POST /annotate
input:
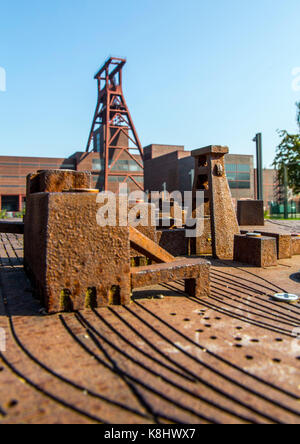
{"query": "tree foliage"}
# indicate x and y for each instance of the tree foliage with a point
(288, 153)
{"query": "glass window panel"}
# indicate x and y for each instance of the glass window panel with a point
(244, 185)
(98, 164)
(133, 166)
(139, 179)
(243, 176)
(231, 176)
(243, 168)
(230, 167)
(116, 178)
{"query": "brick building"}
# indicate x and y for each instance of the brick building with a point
(170, 167)
(13, 172)
(167, 167)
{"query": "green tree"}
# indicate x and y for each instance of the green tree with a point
(288, 153)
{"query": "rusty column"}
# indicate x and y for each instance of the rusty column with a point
(220, 218)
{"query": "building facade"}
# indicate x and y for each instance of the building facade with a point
(170, 167)
(166, 168)
(14, 170)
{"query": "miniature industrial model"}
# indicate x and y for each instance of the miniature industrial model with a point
(75, 263)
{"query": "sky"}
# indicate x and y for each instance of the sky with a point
(198, 72)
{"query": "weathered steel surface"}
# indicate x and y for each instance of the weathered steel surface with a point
(174, 241)
(250, 212)
(210, 177)
(195, 273)
(261, 252)
(146, 246)
(11, 227)
(144, 210)
(230, 358)
(67, 251)
(283, 242)
(295, 245)
(56, 181)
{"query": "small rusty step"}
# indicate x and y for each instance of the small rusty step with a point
(195, 273)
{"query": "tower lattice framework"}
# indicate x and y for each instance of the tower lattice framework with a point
(113, 125)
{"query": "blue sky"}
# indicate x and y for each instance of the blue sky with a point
(198, 72)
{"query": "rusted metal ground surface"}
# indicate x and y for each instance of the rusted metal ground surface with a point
(277, 226)
(230, 358)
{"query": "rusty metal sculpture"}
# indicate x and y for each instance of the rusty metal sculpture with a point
(74, 263)
(220, 223)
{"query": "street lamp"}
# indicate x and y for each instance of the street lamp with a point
(259, 166)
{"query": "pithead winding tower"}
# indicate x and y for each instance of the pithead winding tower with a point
(120, 149)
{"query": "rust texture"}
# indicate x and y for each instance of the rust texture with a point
(230, 358)
(148, 230)
(70, 257)
(174, 241)
(147, 247)
(295, 246)
(74, 263)
(195, 273)
(261, 252)
(250, 212)
(210, 177)
(56, 181)
(283, 242)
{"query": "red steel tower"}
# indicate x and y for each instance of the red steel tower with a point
(113, 133)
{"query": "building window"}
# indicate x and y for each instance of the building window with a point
(126, 165)
(243, 168)
(10, 203)
(238, 176)
(230, 167)
(116, 178)
(98, 164)
(139, 179)
(11, 177)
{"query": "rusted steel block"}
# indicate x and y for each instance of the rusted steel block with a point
(55, 181)
(12, 227)
(283, 243)
(149, 230)
(195, 273)
(73, 262)
(250, 212)
(295, 245)
(261, 252)
(173, 241)
(202, 244)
